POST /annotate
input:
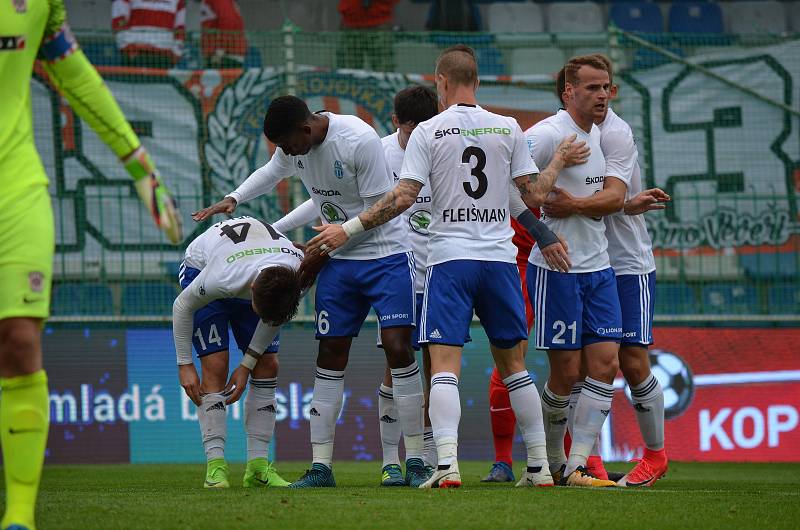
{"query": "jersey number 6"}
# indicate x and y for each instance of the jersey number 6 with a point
(477, 171)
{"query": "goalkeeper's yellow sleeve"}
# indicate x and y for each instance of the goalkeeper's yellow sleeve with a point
(76, 78)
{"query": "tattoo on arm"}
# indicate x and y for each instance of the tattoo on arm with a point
(392, 204)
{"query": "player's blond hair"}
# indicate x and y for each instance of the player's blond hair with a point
(561, 75)
(459, 65)
(575, 64)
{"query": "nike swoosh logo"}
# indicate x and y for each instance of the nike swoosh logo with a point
(22, 431)
(31, 300)
(492, 409)
(642, 483)
(265, 482)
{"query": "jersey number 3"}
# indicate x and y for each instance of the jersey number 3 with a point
(477, 171)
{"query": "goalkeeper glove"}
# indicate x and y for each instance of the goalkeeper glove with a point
(154, 194)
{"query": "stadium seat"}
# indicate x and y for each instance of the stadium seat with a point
(755, 17)
(82, 299)
(513, 17)
(794, 15)
(253, 58)
(530, 61)
(410, 15)
(695, 17)
(675, 299)
(637, 16)
(575, 17)
(783, 298)
(728, 298)
(415, 57)
(645, 58)
(148, 298)
(764, 265)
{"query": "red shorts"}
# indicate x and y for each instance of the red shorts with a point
(522, 264)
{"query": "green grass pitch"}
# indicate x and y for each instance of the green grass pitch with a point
(171, 496)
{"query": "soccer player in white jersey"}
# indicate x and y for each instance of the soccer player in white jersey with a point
(341, 162)
(240, 273)
(578, 314)
(412, 105)
(469, 157)
(631, 253)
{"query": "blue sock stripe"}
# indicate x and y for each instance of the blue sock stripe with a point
(405, 375)
(599, 390)
(520, 385)
(648, 388)
(556, 404)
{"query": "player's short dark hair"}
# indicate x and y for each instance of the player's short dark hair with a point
(276, 294)
(284, 115)
(561, 84)
(575, 64)
(459, 64)
(415, 104)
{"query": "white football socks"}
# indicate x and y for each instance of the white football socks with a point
(325, 407)
(554, 409)
(409, 402)
(212, 417)
(259, 416)
(389, 425)
(528, 410)
(429, 454)
(445, 413)
(591, 412)
(574, 394)
(648, 401)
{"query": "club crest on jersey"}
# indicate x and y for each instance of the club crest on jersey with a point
(338, 170)
(20, 6)
(420, 221)
(36, 281)
(333, 213)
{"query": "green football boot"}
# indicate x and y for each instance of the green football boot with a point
(217, 474)
(261, 474)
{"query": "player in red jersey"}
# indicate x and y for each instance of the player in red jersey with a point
(502, 416)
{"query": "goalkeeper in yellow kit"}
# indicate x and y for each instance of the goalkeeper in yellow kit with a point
(31, 29)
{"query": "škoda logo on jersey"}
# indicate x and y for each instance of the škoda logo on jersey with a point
(332, 213)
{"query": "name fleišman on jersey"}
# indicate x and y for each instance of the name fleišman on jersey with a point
(418, 217)
(630, 248)
(230, 255)
(468, 156)
(585, 236)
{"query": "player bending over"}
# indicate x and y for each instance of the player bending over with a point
(631, 254)
(341, 162)
(469, 157)
(412, 106)
(31, 29)
(240, 273)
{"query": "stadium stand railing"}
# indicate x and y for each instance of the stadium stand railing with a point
(715, 115)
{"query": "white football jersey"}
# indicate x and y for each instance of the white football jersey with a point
(230, 255)
(585, 236)
(339, 174)
(418, 217)
(468, 156)
(629, 246)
